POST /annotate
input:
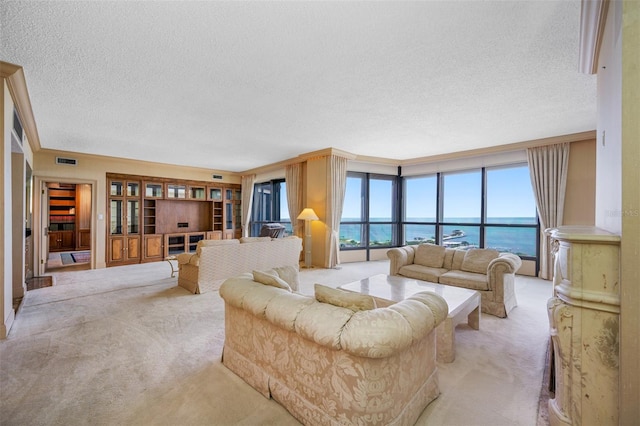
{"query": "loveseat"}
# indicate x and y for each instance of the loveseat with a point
(328, 364)
(216, 260)
(489, 272)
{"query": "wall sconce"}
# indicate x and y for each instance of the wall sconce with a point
(307, 215)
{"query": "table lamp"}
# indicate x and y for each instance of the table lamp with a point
(307, 215)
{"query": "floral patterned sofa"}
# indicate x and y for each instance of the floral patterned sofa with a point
(329, 359)
(489, 272)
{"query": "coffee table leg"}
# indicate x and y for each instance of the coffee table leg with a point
(474, 319)
(446, 341)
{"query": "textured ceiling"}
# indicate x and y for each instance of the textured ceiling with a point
(237, 85)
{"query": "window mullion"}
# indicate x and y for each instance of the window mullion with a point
(483, 204)
(439, 207)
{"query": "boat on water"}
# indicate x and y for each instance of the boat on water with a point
(456, 233)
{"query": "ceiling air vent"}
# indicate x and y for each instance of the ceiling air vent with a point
(66, 161)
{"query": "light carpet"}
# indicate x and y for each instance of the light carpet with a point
(126, 346)
(67, 258)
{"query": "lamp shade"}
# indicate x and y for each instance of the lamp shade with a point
(308, 214)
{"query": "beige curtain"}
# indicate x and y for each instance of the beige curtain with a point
(548, 169)
(294, 180)
(247, 201)
(336, 186)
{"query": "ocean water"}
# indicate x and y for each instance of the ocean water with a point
(521, 241)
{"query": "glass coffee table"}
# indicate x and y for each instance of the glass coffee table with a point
(464, 304)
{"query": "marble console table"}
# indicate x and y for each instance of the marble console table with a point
(584, 315)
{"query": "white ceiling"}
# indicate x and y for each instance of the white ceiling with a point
(237, 85)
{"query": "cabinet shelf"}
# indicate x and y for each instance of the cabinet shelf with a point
(149, 215)
(55, 202)
(182, 243)
(62, 217)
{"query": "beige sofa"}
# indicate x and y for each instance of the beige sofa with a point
(216, 260)
(328, 364)
(485, 270)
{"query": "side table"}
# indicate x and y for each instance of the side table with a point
(174, 269)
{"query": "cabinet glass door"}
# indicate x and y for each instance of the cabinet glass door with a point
(215, 194)
(116, 189)
(229, 216)
(133, 216)
(133, 189)
(176, 191)
(197, 192)
(115, 217)
(153, 190)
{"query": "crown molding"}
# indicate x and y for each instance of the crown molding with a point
(377, 160)
(573, 137)
(593, 16)
(130, 162)
(322, 153)
(17, 85)
(327, 152)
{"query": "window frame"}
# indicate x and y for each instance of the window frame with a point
(482, 225)
(365, 222)
(275, 187)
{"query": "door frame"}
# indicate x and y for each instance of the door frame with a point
(40, 235)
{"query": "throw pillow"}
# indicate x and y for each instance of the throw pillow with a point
(290, 275)
(477, 260)
(344, 298)
(429, 255)
(272, 280)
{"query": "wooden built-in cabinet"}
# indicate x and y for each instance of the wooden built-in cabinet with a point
(214, 194)
(62, 217)
(69, 216)
(153, 247)
(61, 240)
(232, 213)
(183, 243)
(124, 233)
(170, 216)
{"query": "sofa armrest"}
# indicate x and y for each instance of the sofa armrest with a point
(382, 332)
(400, 256)
(506, 263)
(184, 258)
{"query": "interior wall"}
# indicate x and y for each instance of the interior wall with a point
(6, 269)
(609, 128)
(317, 199)
(83, 206)
(630, 217)
(18, 224)
(580, 199)
(93, 169)
(618, 181)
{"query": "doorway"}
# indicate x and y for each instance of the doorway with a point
(66, 241)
